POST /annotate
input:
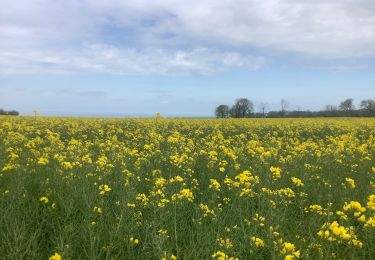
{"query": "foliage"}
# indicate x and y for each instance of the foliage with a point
(222, 111)
(367, 109)
(10, 113)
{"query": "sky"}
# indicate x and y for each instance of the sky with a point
(89, 57)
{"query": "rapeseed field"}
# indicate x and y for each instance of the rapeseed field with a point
(74, 188)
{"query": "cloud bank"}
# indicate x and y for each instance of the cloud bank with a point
(182, 37)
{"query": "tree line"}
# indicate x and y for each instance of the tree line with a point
(244, 108)
(10, 113)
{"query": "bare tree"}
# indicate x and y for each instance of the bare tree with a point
(284, 105)
(368, 106)
(330, 108)
(347, 105)
(222, 111)
(242, 108)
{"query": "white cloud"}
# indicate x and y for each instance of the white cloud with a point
(165, 36)
(99, 58)
(337, 28)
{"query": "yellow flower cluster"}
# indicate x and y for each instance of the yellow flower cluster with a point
(55, 256)
(257, 241)
(159, 184)
(186, 194)
(276, 172)
(350, 182)
(371, 202)
(297, 182)
(356, 209)
(104, 189)
(214, 184)
(334, 232)
(219, 255)
(317, 209)
(288, 250)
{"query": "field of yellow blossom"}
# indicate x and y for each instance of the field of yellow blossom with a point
(73, 188)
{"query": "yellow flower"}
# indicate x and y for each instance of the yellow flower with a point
(142, 198)
(276, 172)
(350, 182)
(43, 161)
(102, 161)
(43, 199)
(371, 202)
(370, 222)
(104, 188)
(207, 211)
(356, 208)
(135, 241)
(56, 256)
(288, 247)
(214, 184)
(316, 208)
(184, 194)
(289, 250)
(219, 255)
(339, 233)
(257, 241)
(98, 210)
(67, 165)
(160, 182)
(297, 182)
(362, 218)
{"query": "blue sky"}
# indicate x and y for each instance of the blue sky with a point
(183, 57)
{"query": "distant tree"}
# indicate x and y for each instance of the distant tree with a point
(274, 114)
(13, 113)
(10, 113)
(284, 105)
(242, 108)
(347, 105)
(232, 112)
(368, 107)
(330, 108)
(330, 111)
(222, 111)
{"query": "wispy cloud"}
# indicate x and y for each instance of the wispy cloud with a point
(99, 58)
